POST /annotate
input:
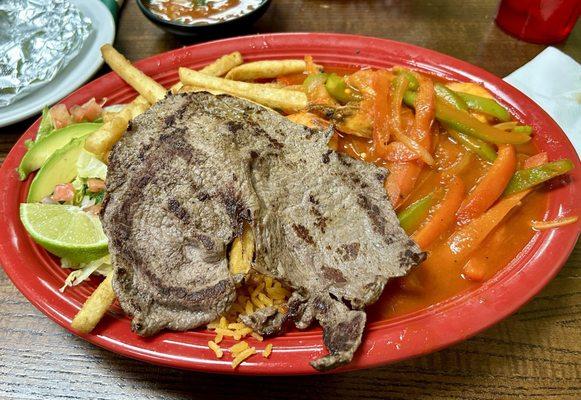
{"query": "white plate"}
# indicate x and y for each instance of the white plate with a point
(79, 70)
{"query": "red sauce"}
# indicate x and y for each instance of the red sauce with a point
(434, 281)
(201, 11)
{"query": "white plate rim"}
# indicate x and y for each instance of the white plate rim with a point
(83, 69)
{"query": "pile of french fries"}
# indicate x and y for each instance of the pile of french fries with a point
(228, 74)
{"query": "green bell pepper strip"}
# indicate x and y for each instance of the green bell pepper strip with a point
(411, 217)
(485, 106)
(450, 96)
(337, 88)
(413, 82)
(523, 129)
(527, 178)
(480, 147)
(468, 125)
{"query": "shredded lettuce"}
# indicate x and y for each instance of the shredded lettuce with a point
(82, 272)
(89, 166)
(46, 125)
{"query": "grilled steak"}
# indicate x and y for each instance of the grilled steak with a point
(188, 174)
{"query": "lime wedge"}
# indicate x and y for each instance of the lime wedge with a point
(65, 231)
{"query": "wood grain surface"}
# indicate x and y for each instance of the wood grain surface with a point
(536, 353)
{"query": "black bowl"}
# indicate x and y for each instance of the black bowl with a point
(218, 28)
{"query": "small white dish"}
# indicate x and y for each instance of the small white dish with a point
(79, 70)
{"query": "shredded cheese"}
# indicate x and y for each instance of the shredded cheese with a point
(542, 225)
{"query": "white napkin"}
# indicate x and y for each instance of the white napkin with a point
(553, 80)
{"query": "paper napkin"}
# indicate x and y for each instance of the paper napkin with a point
(553, 80)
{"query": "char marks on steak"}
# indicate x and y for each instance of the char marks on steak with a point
(188, 174)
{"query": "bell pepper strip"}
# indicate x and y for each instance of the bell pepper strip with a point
(400, 85)
(448, 95)
(425, 106)
(381, 128)
(480, 147)
(317, 94)
(490, 187)
(399, 152)
(523, 129)
(529, 177)
(485, 106)
(513, 126)
(468, 125)
(443, 217)
(414, 84)
(475, 268)
(413, 215)
(403, 177)
(401, 181)
(314, 80)
(459, 165)
(337, 88)
(463, 242)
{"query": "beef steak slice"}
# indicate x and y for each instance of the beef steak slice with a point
(194, 167)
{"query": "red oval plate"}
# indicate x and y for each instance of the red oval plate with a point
(38, 276)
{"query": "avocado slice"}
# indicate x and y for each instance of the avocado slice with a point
(60, 167)
(47, 145)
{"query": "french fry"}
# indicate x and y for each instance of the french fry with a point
(242, 252)
(95, 307)
(288, 100)
(223, 64)
(266, 69)
(143, 84)
(176, 87)
(103, 139)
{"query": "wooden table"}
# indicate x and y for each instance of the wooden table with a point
(535, 353)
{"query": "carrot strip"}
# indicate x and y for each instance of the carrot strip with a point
(381, 131)
(490, 188)
(444, 215)
(465, 240)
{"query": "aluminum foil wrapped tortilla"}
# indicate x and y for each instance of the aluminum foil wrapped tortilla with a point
(38, 39)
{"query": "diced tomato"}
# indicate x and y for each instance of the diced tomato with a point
(95, 185)
(92, 110)
(78, 113)
(60, 116)
(64, 192)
